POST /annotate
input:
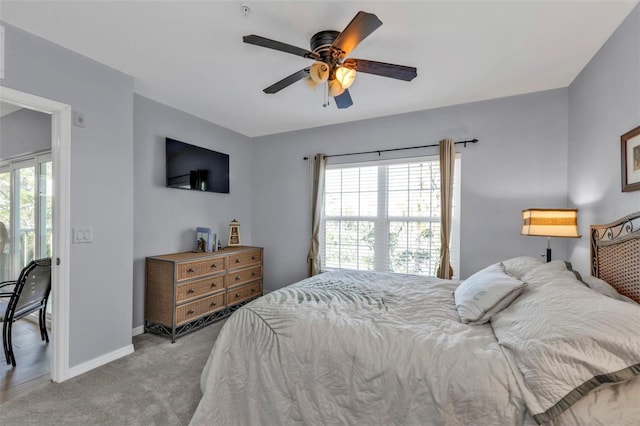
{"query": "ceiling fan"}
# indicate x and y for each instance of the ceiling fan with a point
(329, 50)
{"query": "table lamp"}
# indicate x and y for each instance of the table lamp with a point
(550, 223)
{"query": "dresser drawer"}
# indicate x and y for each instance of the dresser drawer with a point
(198, 268)
(244, 276)
(195, 289)
(198, 308)
(244, 292)
(245, 258)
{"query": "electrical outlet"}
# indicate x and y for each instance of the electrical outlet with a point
(78, 119)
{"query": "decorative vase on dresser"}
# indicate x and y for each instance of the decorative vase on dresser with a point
(187, 291)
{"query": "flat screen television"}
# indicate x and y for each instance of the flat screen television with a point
(196, 168)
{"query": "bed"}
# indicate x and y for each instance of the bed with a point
(554, 347)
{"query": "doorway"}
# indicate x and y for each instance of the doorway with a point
(60, 220)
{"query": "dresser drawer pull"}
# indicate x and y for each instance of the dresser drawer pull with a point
(237, 295)
(191, 291)
(190, 312)
(253, 274)
(237, 260)
(253, 290)
(191, 270)
(253, 258)
(213, 303)
(214, 265)
(237, 277)
(214, 285)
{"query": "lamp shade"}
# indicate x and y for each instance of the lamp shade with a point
(319, 72)
(335, 88)
(550, 223)
(345, 76)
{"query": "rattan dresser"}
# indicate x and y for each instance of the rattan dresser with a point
(186, 291)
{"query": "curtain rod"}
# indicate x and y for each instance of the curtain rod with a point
(379, 151)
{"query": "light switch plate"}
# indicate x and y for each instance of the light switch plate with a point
(82, 235)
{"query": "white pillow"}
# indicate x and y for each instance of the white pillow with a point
(604, 287)
(485, 293)
(518, 266)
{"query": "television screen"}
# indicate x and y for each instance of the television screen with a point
(196, 168)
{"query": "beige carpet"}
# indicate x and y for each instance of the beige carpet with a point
(159, 384)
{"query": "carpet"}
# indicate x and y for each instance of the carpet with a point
(158, 384)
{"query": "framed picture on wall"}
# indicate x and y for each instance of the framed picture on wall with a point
(630, 147)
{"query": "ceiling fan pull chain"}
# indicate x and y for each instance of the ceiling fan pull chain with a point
(326, 94)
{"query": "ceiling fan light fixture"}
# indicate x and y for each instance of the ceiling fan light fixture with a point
(311, 83)
(335, 88)
(346, 76)
(319, 72)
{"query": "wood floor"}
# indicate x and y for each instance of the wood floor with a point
(33, 361)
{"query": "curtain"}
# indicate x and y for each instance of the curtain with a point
(447, 164)
(317, 204)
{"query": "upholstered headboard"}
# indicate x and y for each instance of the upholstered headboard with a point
(615, 254)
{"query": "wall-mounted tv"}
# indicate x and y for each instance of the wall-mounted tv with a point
(196, 168)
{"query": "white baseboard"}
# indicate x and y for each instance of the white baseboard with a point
(97, 362)
(137, 330)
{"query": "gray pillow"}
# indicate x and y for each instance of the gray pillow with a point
(605, 288)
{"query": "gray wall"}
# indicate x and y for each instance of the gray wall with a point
(604, 103)
(520, 162)
(24, 132)
(165, 218)
(101, 196)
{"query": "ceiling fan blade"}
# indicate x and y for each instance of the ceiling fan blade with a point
(278, 45)
(287, 81)
(344, 100)
(400, 72)
(358, 29)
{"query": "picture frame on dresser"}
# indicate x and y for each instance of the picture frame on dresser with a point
(630, 156)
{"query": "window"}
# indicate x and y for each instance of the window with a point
(25, 213)
(385, 216)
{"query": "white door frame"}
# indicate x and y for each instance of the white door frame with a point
(61, 152)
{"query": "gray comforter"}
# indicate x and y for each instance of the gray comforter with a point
(363, 348)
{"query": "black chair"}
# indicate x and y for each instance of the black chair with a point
(29, 294)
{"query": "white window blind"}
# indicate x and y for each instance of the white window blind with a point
(386, 217)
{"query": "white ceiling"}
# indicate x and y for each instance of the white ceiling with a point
(190, 54)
